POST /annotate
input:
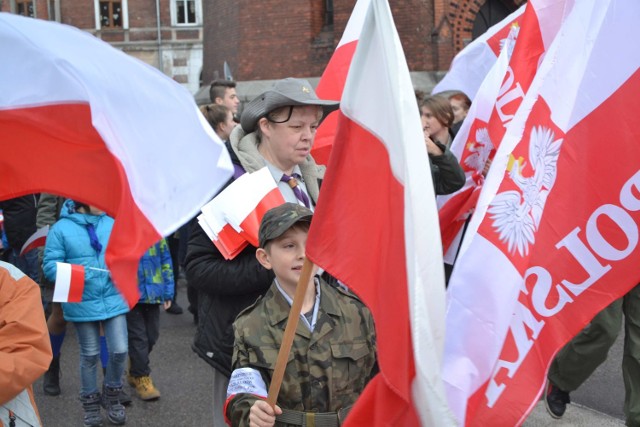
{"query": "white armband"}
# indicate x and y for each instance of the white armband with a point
(246, 380)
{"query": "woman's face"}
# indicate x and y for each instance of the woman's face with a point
(288, 144)
(459, 110)
(225, 128)
(432, 126)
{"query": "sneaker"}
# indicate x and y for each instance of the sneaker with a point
(111, 402)
(145, 388)
(91, 406)
(556, 400)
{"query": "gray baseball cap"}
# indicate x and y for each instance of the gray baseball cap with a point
(285, 92)
(278, 220)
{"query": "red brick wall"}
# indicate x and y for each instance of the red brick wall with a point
(81, 17)
(220, 37)
(271, 39)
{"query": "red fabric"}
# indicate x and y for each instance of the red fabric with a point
(36, 243)
(230, 243)
(583, 161)
(330, 86)
(357, 236)
(55, 149)
(251, 224)
(76, 287)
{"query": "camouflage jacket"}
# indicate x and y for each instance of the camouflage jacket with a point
(327, 368)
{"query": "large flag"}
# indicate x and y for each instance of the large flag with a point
(84, 120)
(471, 65)
(375, 229)
(495, 107)
(555, 236)
(332, 81)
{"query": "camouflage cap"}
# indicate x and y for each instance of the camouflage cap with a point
(279, 219)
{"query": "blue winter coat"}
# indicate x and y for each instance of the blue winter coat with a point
(155, 275)
(68, 241)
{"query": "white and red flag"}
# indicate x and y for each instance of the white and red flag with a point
(36, 240)
(375, 229)
(555, 236)
(472, 64)
(235, 214)
(69, 282)
(492, 110)
(332, 81)
(84, 120)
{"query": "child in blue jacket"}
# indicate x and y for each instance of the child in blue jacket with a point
(156, 283)
(80, 237)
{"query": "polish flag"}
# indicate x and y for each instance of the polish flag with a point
(493, 109)
(84, 120)
(557, 223)
(332, 81)
(228, 241)
(375, 230)
(253, 195)
(69, 282)
(234, 215)
(472, 64)
(36, 240)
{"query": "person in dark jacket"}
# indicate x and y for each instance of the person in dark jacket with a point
(437, 117)
(20, 224)
(278, 129)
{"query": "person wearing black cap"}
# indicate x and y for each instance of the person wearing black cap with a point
(333, 356)
(277, 130)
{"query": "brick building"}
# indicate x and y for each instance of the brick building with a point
(166, 34)
(271, 39)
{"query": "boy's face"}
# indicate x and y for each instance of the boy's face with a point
(285, 256)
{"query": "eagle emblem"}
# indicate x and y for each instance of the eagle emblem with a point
(516, 214)
(479, 150)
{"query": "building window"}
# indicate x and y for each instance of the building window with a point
(24, 8)
(111, 14)
(186, 12)
(328, 13)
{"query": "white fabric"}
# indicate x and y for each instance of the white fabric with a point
(471, 65)
(64, 276)
(354, 26)
(575, 77)
(143, 116)
(246, 380)
(379, 62)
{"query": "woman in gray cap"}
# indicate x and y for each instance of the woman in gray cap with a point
(277, 130)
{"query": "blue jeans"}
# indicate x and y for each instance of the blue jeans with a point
(115, 331)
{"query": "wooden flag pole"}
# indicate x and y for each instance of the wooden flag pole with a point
(289, 332)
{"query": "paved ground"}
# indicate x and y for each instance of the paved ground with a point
(185, 381)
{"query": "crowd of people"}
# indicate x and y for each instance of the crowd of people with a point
(240, 306)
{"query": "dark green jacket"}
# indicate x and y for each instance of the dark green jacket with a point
(327, 368)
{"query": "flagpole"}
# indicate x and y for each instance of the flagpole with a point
(289, 332)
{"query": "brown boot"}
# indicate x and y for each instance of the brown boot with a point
(145, 388)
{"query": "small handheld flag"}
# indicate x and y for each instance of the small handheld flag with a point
(69, 283)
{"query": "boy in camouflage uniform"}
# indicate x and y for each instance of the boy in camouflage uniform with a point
(334, 351)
